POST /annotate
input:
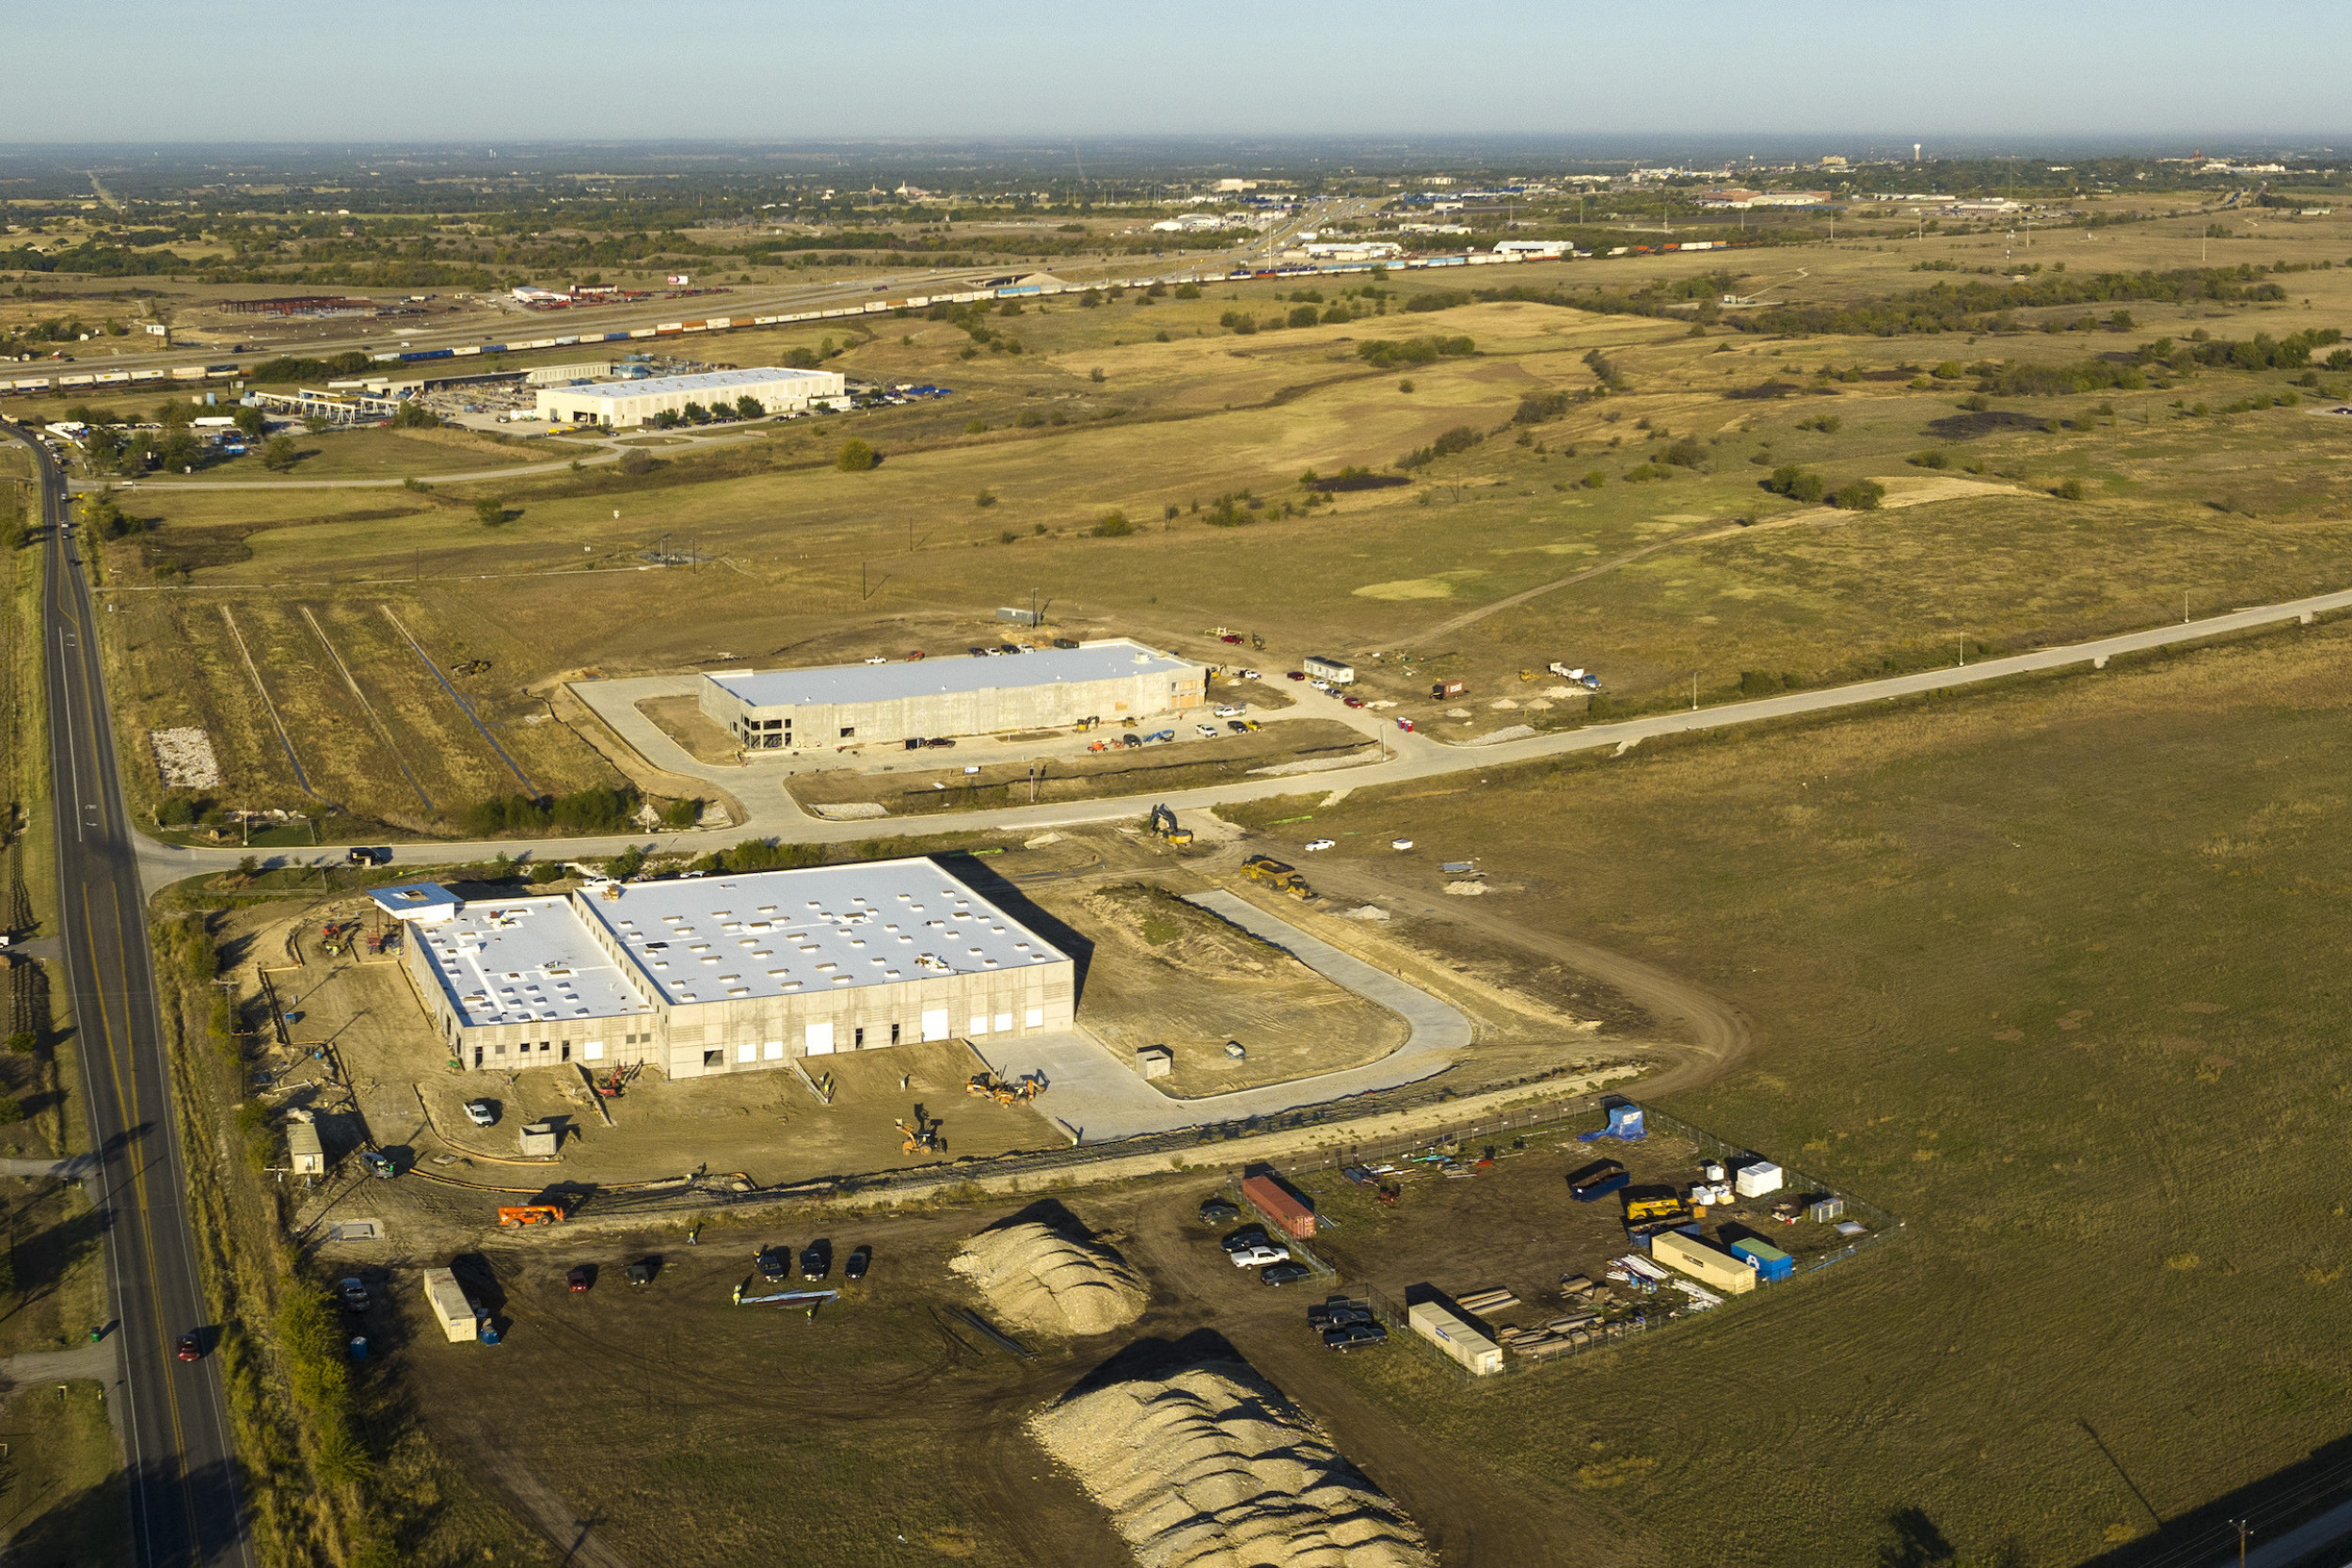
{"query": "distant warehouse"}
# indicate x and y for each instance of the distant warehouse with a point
(1115, 680)
(705, 976)
(632, 402)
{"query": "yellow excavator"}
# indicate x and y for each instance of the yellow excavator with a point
(921, 1136)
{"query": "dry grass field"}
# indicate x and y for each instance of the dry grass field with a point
(2207, 510)
(2033, 968)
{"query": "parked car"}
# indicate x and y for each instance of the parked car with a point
(577, 1279)
(354, 1293)
(1231, 637)
(1227, 710)
(1258, 1257)
(1352, 701)
(1206, 732)
(1254, 1236)
(816, 1260)
(1337, 1312)
(1248, 676)
(1350, 1335)
(482, 1112)
(1295, 675)
(1238, 726)
(1253, 723)
(1400, 844)
(774, 1264)
(947, 741)
(1131, 740)
(189, 1348)
(1218, 1211)
(855, 1265)
(1283, 1273)
(1314, 844)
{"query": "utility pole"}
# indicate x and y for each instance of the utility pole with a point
(2242, 1532)
(1695, 691)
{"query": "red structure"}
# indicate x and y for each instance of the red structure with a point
(1281, 1206)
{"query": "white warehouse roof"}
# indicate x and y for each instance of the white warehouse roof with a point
(931, 677)
(732, 382)
(776, 933)
(524, 961)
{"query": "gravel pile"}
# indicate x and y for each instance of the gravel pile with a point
(1050, 1282)
(1209, 1466)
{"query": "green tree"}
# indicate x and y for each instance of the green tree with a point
(278, 454)
(412, 415)
(749, 407)
(694, 413)
(173, 415)
(855, 457)
(1861, 495)
(1798, 485)
(1113, 525)
(252, 421)
(1304, 315)
(490, 510)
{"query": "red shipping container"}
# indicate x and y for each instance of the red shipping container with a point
(1270, 1198)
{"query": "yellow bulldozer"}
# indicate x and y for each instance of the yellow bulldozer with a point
(1004, 1092)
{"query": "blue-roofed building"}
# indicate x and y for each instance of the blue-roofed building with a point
(1117, 680)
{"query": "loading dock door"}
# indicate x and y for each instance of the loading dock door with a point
(935, 1024)
(816, 1040)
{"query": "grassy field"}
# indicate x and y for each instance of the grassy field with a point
(2030, 968)
(997, 492)
(61, 1498)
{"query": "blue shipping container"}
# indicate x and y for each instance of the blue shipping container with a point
(1767, 1260)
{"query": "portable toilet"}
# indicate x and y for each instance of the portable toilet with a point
(1769, 1264)
(1624, 1124)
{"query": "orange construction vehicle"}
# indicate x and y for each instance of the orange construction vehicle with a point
(531, 1213)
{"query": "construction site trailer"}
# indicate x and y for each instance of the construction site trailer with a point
(1338, 672)
(1465, 1342)
(1281, 1208)
(1710, 1266)
(302, 1147)
(450, 1308)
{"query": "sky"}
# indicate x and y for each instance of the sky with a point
(2071, 73)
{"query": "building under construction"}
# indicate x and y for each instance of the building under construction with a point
(703, 975)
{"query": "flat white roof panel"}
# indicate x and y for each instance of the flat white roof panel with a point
(528, 960)
(947, 675)
(825, 928)
(708, 381)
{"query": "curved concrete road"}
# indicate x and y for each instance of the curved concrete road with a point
(1098, 1098)
(1414, 757)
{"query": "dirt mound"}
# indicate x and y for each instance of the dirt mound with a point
(1051, 1282)
(1209, 1466)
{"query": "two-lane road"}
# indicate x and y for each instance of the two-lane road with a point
(186, 1494)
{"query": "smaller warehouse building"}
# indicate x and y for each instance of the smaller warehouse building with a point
(1116, 680)
(1461, 1340)
(1710, 1265)
(777, 389)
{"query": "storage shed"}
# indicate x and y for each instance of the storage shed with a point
(1710, 1265)
(1758, 1179)
(1281, 1208)
(1155, 1061)
(450, 1308)
(1769, 1264)
(1463, 1341)
(307, 1156)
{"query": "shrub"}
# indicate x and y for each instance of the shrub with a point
(490, 512)
(411, 415)
(278, 454)
(1304, 315)
(1798, 485)
(1594, 481)
(1187, 290)
(1387, 354)
(1861, 495)
(855, 457)
(1112, 525)
(636, 463)
(1929, 460)
(22, 1044)
(2072, 490)
(986, 497)
(1406, 384)
(682, 813)
(1685, 454)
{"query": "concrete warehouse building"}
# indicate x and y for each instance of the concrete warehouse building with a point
(1116, 680)
(703, 975)
(633, 403)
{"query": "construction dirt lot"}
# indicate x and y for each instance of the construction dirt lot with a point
(1165, 973)
(909, 1422)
